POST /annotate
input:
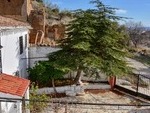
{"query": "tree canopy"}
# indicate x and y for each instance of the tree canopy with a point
(94, 41)
(41, 1)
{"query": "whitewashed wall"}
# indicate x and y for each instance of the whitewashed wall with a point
(9, 107)
(12, 61)
(73, 89)
(39, 53)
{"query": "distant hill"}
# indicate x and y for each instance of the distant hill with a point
(147, 28)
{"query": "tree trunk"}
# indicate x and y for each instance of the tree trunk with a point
(135, 45)
(53, 84)
(77, 79)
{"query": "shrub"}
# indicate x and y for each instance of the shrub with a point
(37, 103)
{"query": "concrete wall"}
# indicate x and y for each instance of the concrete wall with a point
(12, 60)
(39, 53)
(73, 89)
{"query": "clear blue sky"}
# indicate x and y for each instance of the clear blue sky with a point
(139, 10)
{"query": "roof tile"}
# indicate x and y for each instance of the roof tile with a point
(13, 85)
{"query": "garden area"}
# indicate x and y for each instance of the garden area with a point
(96, 48)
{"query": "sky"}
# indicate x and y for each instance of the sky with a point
(138, 10)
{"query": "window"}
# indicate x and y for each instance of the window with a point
(21, 44)
(26, 41)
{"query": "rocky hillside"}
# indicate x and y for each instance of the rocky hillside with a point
(48, 24)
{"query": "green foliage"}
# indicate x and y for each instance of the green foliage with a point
(41, 1)
(42, 73)
(95, 41)
(52, 9)
(35, 105)
(65, 13)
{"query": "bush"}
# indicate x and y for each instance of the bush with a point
(41, 1)
(43, 73)
(36, 104)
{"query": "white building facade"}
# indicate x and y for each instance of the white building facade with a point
(14, 51)
(14, 36)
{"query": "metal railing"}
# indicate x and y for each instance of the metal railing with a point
(137, 85)
(74, 107)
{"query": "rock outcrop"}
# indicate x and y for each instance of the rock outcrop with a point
(46, 27)
(37, 21)
(53, 26)
(15, 8)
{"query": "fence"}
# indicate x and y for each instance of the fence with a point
(82, 107)
(137, 85)
(74, 107)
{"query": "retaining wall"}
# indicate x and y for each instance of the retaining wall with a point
(73, 89)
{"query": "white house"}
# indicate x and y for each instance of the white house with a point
(13, 63)
(39, 53)
(14, 46)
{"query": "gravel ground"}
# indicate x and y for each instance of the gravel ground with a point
(97, 96)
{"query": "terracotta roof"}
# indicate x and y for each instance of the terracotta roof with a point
(13, 85)
(10, 22)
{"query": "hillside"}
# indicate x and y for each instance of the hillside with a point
(48, 24)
